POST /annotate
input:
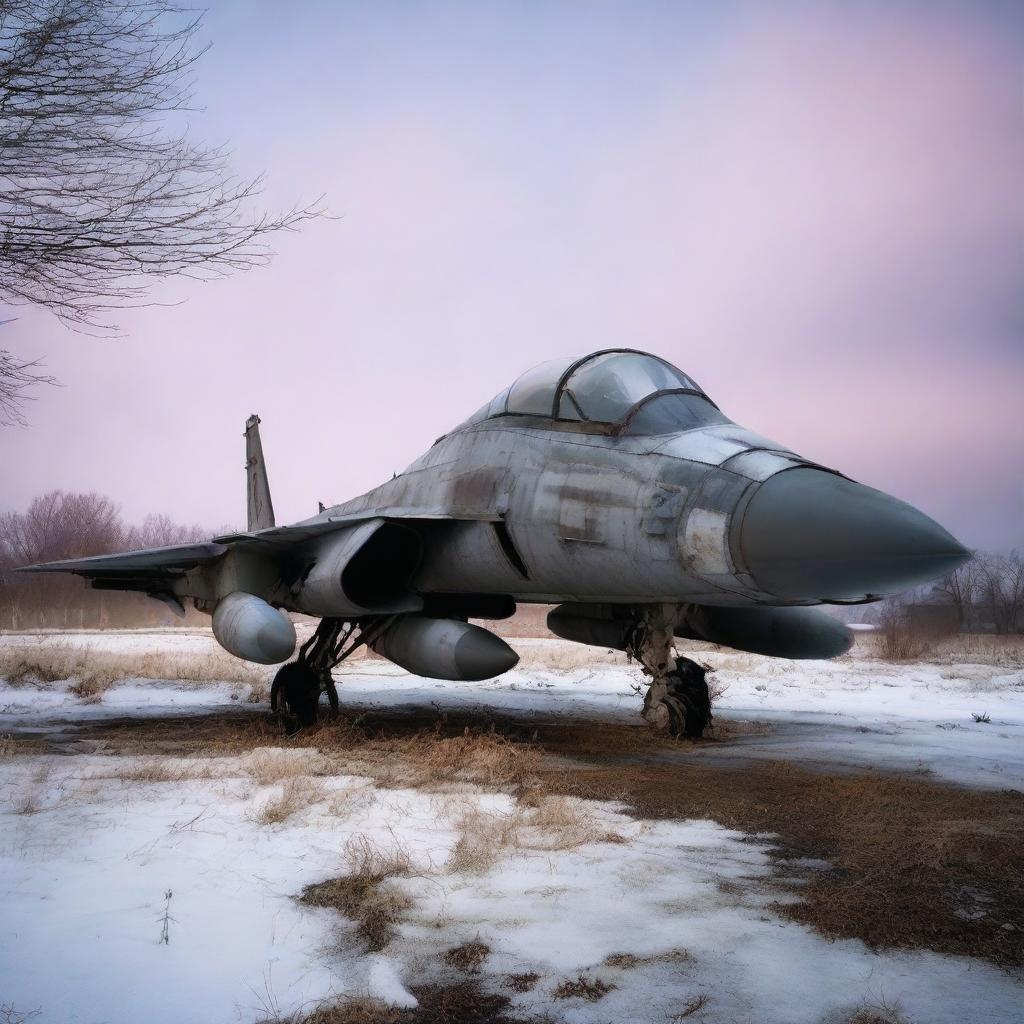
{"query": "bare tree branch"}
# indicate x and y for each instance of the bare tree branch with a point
(17, 379)
(97, 196)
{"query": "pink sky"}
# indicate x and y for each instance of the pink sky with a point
(814, 209)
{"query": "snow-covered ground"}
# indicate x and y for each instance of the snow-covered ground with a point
(856, 711)
(88, 852)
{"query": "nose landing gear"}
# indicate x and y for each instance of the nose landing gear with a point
(677, 700)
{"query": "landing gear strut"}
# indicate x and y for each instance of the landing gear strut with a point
(298, 686)
(677, 699)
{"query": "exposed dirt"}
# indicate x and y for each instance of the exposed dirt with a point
(913, 863)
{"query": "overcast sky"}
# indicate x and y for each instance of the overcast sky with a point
(816, 210)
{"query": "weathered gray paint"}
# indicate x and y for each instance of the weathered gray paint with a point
(595, 516)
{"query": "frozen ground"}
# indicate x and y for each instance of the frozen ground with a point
(856, 712)
(89, 845)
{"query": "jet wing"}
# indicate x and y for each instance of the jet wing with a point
(149, 563)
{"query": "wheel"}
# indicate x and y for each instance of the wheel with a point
(688, 688)
(680, 704)
(294, 696)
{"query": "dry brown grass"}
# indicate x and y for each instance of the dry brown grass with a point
(695, 1005)
(50, 662)
(90, 688)
(8, 746)
(582, 987)
(153, 769)
(560, 823)
(524, 982)
(468, 957)
(881, 1012)
(483, 837)
(364, 894)
(630, 961)
(462, 1003)
(484, 758)
(900, 640)
(908, 857)
(551, 823)
(268, 765)
(916, 864)
(565, 656)
(29, 800)
(296, 794)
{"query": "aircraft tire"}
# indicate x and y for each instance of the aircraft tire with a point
(294, 696)
(688, 690)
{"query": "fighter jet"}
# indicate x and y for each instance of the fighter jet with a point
(610, 486)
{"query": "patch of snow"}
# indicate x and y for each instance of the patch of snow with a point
(82, 886)
(853, 712)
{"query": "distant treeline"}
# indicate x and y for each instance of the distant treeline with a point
(984, 595)
(68, 525)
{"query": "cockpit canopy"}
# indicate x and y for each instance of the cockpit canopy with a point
(630, 391)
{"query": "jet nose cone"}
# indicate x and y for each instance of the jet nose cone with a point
(811, 535)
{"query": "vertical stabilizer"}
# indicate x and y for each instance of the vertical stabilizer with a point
(261, 508)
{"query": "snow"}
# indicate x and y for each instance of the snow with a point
(855, 712)
(82, 881)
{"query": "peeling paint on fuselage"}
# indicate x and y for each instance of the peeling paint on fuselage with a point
(594, 517)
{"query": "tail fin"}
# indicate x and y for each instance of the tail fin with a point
(261, 508)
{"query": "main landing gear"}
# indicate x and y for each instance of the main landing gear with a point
(298, 687)
(677, 699)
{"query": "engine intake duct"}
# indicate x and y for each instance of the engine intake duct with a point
(361, 569)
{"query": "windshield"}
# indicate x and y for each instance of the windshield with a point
(620, 387)
(672, 413)
(604, 387)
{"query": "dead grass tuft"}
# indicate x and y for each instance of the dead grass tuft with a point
(882, 1012)
(8, 746)
(485, 758)
(565, 656)
(468, 957)
(268, 765)
(29, 800)
(695, 1005)
(582, 987)
(364, 894)
(630, 961)
(554, 823)
(463, 1003)
(483, 838)
(522, 982)
(91, 687)
(297, 793)
(154, 769)
(52, 662)
(564, 824)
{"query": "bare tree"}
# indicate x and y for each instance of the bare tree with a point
(69, 525)
(1001, 585)
(961, 586)
(98, 196)
(158, 530)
